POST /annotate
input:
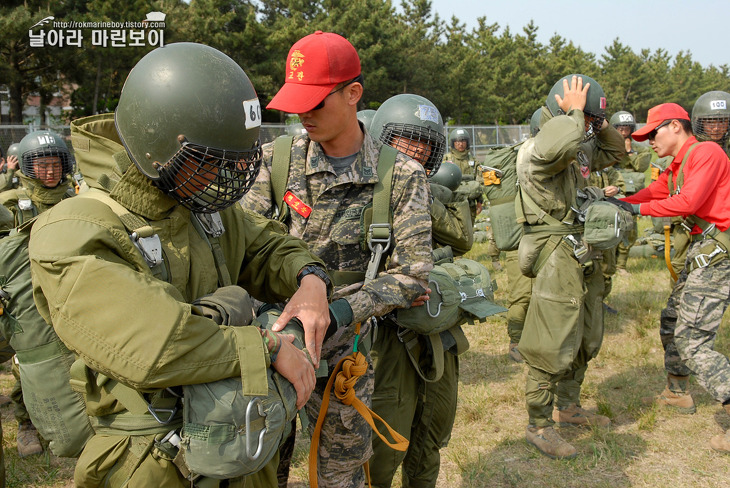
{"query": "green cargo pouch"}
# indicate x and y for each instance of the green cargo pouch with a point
(461, 291)
(606, 225)
(505, 229)
(634, 181)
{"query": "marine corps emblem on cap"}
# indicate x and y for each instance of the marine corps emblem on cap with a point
(296, 60)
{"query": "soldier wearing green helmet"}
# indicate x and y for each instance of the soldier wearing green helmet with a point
(423, 411)
(563, 327)
(711, 118)
(632, 167)
(366, 117)
(161, 229)
(460, 152)
(8, 166)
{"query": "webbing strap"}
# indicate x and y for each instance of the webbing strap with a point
(280, 163)
(131, 222)
(379, 236)
(680, 173)
(542, 215)
(25, 214)
(213, 241)
(344, 378)
(413, 347)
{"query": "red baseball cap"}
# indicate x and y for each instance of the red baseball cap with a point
(657, 115)
(315, 65)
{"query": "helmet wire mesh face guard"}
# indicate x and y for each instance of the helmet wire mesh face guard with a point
(206, 180)
(47, 163)
(595, 122)
(711, 117)
(420, 143)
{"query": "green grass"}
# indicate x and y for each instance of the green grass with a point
(645, 446)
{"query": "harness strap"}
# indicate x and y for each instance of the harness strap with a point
(379, 236)
(280, 163)
(668, 251)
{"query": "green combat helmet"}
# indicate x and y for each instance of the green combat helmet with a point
(595, 107)
(459, 135)
(413, 125)
(623, 118)
(711, 117)
(535, 122)
(14, 150)
(366, 117)
(43, 144)
(448, 175)
(189, 119)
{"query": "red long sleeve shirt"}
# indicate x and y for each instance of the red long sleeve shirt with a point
(705, 192)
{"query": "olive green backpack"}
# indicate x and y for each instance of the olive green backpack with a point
(501, 190)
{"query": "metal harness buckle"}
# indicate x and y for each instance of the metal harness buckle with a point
(255, 402)
(150, 247)
(377, 246)
(212, 223)
(704, 260)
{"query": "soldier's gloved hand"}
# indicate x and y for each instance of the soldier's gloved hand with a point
(340, 316)
(632, 208)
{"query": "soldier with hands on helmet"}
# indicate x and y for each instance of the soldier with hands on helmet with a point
(8, 166)
(423, 411)
(176, 157)
(696, 186)
(330, 182)
(563, 328)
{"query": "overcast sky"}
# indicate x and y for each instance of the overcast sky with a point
(700, 27)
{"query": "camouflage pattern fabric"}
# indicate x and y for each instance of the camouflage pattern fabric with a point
(667, 326)
(333, 231)
(703, 302)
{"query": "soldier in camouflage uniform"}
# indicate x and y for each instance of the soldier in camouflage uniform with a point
(702, 171)
(636, 160)
(178, 169)
(331, 179)
(564, 323)
(423, 411)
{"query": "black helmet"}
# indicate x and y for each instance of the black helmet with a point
(189, 118)
(412, 118)
(39, 145)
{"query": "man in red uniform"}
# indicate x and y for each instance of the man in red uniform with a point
(696, 186)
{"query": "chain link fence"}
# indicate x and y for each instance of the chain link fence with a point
(482, 136)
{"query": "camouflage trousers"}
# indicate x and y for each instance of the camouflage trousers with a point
(563, 332)
(673, 363)
(423, 412)
(705, 298)
(518, 296)
(345, 440)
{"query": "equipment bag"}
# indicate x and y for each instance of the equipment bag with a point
(606, 225)
(228, 433)
(501, 195)
(461, 290)
(56, 410)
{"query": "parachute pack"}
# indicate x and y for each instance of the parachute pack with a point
(500, 187)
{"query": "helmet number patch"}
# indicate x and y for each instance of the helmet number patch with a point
(252, 112)
(625, 118)
(718, 105)
(428, 113)
(44, 139)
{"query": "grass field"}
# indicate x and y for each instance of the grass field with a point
(644, 447)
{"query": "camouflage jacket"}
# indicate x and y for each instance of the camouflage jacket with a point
(333, 228)
(549, 164)
(637, 160)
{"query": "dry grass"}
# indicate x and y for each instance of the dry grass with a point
(644, 447)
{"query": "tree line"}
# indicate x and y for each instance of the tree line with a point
(486, 75)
